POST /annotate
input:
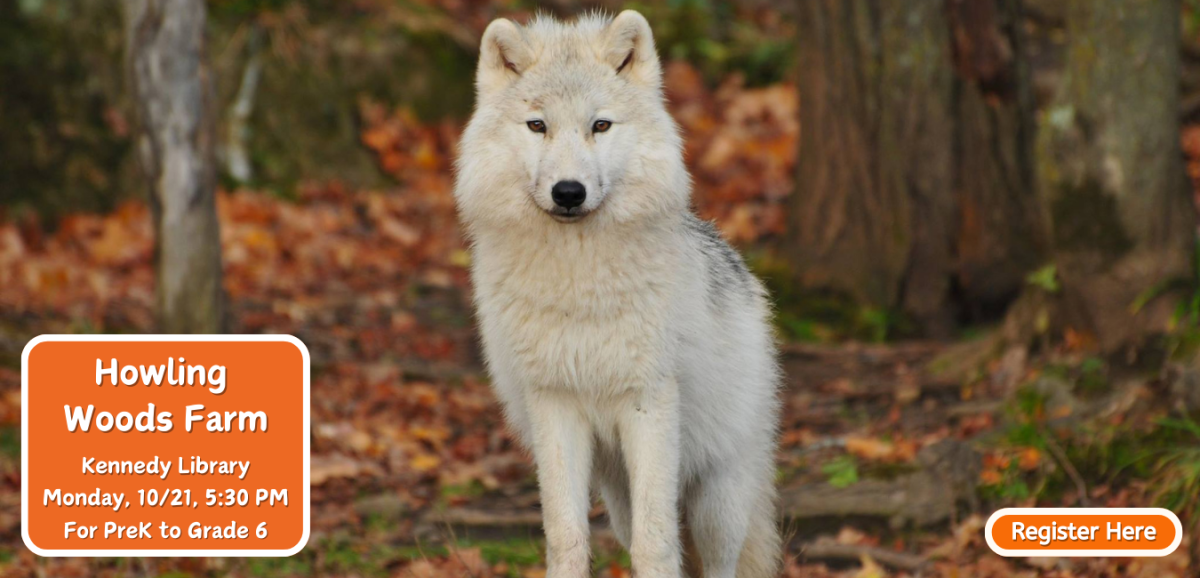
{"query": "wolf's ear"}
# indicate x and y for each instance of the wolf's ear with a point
(629, 48)
(503, 56)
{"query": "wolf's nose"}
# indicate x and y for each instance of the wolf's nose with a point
(568, 194)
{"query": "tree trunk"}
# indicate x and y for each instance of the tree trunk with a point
(1001, 232)
(914, 186)
(1111, 169)
(170, 78)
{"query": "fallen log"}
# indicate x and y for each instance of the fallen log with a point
(827, 549)
(929, 496)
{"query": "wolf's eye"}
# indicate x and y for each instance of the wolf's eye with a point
(536, 126)
(601, 126)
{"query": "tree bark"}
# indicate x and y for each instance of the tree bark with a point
(173, 88)
(1001, 230)
(1111, 168)
(914, 183)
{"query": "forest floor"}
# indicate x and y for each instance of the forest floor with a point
(891, 457)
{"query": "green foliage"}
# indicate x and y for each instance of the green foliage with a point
(1183, 340)
(842, 471)
(1164, 454)
(823, 318)
(1088, 377)
(1192, 11)
(223, 11)
(1045, 278)
(63, 146)
(298, 565)
(10, 442)
(218, 9)
(602, 560)
(1187, 310)
(514, 551)
(1093, 376)
(876, 322)
(1011, 487)
(1030, 405)
(474, 489)
(347, 557)
(708, 34)
(802, 330)
(1176, 471)
(1025, 434)
(1026, 411)
(379, 522)
(819, 317)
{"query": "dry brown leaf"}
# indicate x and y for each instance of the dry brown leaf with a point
(870, 569)
(323, 468)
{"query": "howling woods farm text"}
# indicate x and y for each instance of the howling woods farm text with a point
(174, 374)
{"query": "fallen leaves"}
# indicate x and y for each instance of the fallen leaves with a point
(876, 449)
(741, 148)
(459, 562)
(408, 150)
(323, 468)
(870, 569)
(1029, 459)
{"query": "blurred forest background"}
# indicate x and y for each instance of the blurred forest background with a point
(977, 219)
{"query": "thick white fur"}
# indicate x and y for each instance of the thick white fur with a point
(631, 349)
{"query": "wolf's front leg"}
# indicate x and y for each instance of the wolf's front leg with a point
(650, 437)
(562, 448)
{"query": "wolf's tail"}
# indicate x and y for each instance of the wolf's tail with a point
(762, 553)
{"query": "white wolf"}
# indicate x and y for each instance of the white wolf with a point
(628, 343)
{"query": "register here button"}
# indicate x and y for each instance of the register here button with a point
(1083, 532)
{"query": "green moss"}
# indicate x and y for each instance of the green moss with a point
(603, 560)
(1093, 376)
(806, 315)
(10, 442)
(473, 489)
(298, 565)
(516, 552)
(347, 557)
(1163, 455)
(1045, 278)
(61, 65)
(841, 471)
(709, 35)
(379, 522)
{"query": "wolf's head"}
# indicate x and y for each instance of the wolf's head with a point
(570, 125)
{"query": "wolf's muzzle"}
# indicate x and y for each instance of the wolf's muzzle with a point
(568, 194)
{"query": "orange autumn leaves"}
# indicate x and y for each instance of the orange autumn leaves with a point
(880, 450)
(997, 464)
(419, 155)
(741, 149)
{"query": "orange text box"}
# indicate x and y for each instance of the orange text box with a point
(1083, 532)
(200, 448)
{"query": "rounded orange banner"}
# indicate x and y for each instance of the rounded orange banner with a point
(165, 445)
(1092, 532)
